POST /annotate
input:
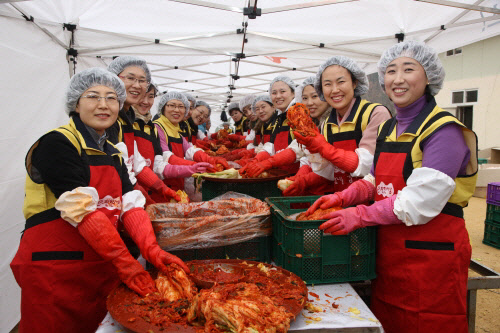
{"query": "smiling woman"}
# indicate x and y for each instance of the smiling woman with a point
(77, 191)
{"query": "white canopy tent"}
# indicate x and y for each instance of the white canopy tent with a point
(213, 49)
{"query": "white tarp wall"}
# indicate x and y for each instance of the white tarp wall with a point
(34, 74)
(189, 45)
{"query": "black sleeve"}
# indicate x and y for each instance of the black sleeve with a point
(156, 142)
(113, 133)
(59, 164)
(246, 125)
(126, 184)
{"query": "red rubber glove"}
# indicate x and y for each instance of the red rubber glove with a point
(145, 193)
(175, 160)
(284, 157)
(201, 156)
(361, 191)
(138, 225)
(97, 230)
(148, 179)
(302, 183)
(347, 220)
(263, 155)
(344, 159)
(235, 137)
(304, 170)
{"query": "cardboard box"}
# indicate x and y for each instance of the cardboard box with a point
(487, 173)
(492, 154)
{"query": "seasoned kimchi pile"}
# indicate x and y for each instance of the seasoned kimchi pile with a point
(300, 120)
(317, 215)
(209, 223)
(267, 300)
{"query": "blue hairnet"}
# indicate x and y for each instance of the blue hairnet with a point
(170, 96)
(119, 64)
(198, 103)
(265, 98)
(284, 79)
(351, 66)
(190, 98)
(307, 82)
(233, 106)
(245, 101)
(92, 77)
(422, 53)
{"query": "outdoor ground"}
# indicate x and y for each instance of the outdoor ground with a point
(488, 301)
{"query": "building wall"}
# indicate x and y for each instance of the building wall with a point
(477, 67)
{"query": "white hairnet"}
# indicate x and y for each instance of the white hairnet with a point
(154, 87)
(265, 98)
(92, 77)
(170, 96)
(120, 63)
(351, 66)
(422, 53)
(190, 98)
(233, 106)
(198, 103)
(284, 79)
(307, 82)
(245, 101)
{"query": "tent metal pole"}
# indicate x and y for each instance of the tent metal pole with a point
(45, 31)
(455, 19)
(463, 5)
(116, 47)
(302, 6)
(210, 5)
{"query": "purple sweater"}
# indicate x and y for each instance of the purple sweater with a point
(445, 150)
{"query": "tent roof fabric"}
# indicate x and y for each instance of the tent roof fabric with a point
(197, 46)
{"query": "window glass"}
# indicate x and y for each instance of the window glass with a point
(457, 97)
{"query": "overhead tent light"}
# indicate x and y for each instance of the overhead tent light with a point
(252, 12)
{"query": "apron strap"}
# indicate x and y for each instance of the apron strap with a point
(42, 217)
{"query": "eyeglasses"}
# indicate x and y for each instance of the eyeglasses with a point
(178, 107)
(132, 80)
(93, 98)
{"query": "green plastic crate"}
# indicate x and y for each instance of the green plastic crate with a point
(493, 213)
(482, 160)
(492, 233)
(259, 190)
(258, 249)
(300, 247)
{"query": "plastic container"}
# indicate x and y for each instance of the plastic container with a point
(493, 213)
(300, 247)
(259, 188)
(492, 233)
(493, 195)
(258, 249)
(482, 160)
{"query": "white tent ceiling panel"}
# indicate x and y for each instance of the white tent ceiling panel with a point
(200, 38)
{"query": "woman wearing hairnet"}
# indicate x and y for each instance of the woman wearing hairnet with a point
(347, 139)
(71, 255)
(316, 174)
(172, 108)
(135, 74)
(187, 124)
(275, 153)
(424, 173)
(149, 147)
(267, 114)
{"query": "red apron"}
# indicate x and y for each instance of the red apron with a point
(64, 282)
(175, 145)
(421, 282)
(281, 138)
